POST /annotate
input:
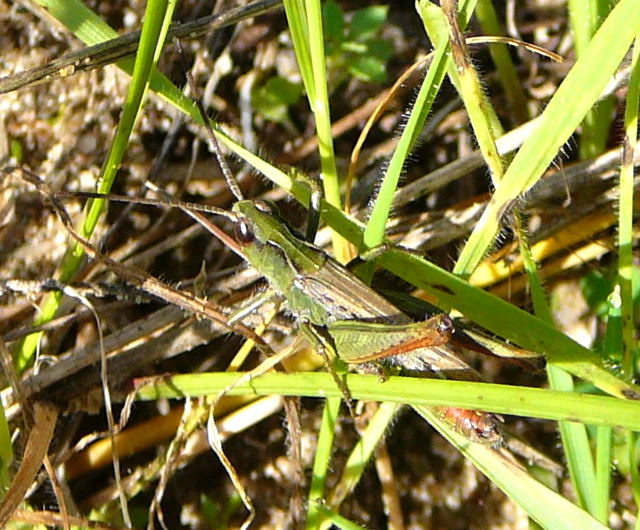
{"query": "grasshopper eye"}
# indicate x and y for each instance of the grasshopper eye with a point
(243, 232)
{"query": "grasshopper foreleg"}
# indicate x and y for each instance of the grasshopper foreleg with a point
(257, 301)
(315, 199)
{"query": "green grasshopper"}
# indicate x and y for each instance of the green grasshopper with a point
(339, 312)
(336, 310)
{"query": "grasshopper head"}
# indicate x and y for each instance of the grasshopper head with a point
(257, 221)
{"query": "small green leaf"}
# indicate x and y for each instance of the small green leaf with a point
(368, 68)
(274, 98)
(367, 21)
(333, 21)
(354, 47)
(380, 49)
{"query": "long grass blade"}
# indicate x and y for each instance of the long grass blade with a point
(74, 14)
(575, 96)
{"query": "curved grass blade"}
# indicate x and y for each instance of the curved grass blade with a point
(374, 233)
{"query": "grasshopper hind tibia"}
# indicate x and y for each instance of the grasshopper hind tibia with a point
(478, 426)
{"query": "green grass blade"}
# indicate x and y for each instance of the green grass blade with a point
(362, 452)
(507, 74)
(79, 20)
(154, 29)
(625, 214)
(374, 233)
(502, 399)
(305, 26)
(598, 502)
(484, 120)
(602, 494)
(320, 104)
(585, 16)
(6, 449)
(633, 443)
(322, 461)
(625, 250)
(575, 96)
(297, 21)
(155, 26)
(574, 436)
(575, 443)
(91, 30)
(420, 393)
(512, 479)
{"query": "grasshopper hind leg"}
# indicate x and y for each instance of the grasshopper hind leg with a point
(323, 344)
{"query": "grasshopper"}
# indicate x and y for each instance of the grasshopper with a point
(337, 311)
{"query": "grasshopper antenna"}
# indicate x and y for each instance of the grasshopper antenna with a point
(213, 141)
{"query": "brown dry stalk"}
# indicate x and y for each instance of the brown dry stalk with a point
(45, 416)
(120, 48)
